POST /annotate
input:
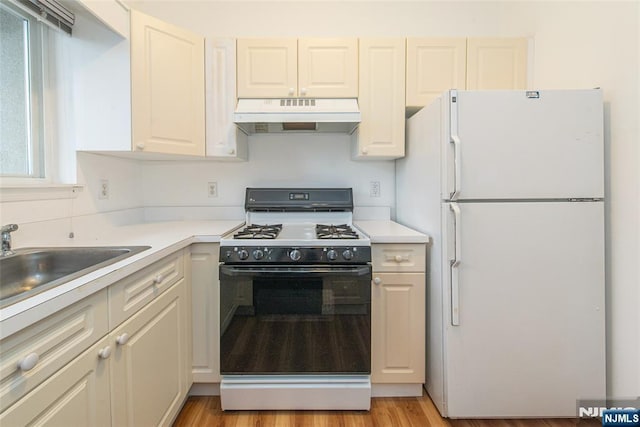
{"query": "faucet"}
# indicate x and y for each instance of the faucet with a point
(6, 238)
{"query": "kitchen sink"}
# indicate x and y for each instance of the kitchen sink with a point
(32, 270)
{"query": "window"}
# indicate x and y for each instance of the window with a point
(22, 89)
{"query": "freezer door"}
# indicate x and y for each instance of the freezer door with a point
(525, 336)
(524, 145)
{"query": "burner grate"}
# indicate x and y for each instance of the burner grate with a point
(255, 231)
(342, 231)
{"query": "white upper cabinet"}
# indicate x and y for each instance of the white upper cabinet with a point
(225, 141)
(280, 68)
(434, 65)
(167, 87)
(267, 68)
(497, 63)
(328, 68)
(380, 134)
(144, 94)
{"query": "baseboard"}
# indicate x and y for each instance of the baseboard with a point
(396, 390)
(205, 389)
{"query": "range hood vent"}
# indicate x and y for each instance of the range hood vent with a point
(297, 115)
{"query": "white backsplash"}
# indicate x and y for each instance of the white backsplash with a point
(294, 160)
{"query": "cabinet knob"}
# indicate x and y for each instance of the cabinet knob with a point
(377, 280)
(28, 362)
(158, 279)
(291, 91)
(303, 91)
(105, 352)
(122, 339)
(398, 258)
(140, 145)
(231, 151)
(365, 150)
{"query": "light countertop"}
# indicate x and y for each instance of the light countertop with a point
(164, 239)
(390, 232)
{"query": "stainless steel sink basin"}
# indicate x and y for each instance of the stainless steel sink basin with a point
(32, 270)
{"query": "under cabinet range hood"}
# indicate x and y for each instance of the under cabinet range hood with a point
(297, 115)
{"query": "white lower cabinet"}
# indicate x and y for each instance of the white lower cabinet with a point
(70, 369)
(76, 395)
(398, 315)
(205, 312)
(147, 371)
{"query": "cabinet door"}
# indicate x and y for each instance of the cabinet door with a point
(398, 328)
(380, 135)
(328, 68)
(205, 312)
(225, 141)
(496, 63)
(77, 395)
(167, 87)
(267, 68)
(433, 66)
(148, 366)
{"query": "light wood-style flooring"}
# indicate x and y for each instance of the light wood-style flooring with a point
(385, 412)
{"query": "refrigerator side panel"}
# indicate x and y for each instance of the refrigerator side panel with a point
(531, 333)
(530, 145)
(418, 207)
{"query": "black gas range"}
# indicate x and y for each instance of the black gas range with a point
(295, 303)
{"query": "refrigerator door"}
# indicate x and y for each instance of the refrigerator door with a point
(524, 308)
(523, 145)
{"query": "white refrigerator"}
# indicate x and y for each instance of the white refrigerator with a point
(510, 186)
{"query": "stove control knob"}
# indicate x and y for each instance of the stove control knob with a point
(347, 254)
(243, 254)
(258, 254)
(332, 255)
(295, 255)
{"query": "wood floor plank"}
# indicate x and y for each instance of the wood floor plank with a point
(385, 412)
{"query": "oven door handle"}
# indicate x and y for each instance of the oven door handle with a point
(251, 271)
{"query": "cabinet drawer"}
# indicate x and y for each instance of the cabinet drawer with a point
(52, 342)
(131, 294)
(398, 257)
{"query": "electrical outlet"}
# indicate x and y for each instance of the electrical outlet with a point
(212, 189)
(103, 193)
(374, 189)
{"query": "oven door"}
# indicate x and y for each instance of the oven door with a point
(295, 319)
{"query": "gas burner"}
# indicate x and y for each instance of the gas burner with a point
(255, 231)
(342, 231)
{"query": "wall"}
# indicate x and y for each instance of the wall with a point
(303, 160)
(51, 215)
(577, 45)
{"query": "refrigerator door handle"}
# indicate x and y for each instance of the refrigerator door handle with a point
(454, 265)
(455, 140)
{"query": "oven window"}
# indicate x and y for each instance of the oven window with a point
(295, 325)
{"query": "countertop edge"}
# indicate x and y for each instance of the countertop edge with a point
(387, 231)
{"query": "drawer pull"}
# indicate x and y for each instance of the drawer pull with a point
(158, 279)
(377, 281)
(397, 258)
(105, 352)
(28, 362)
(122, 339)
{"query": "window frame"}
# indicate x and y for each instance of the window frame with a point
(40, 165)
